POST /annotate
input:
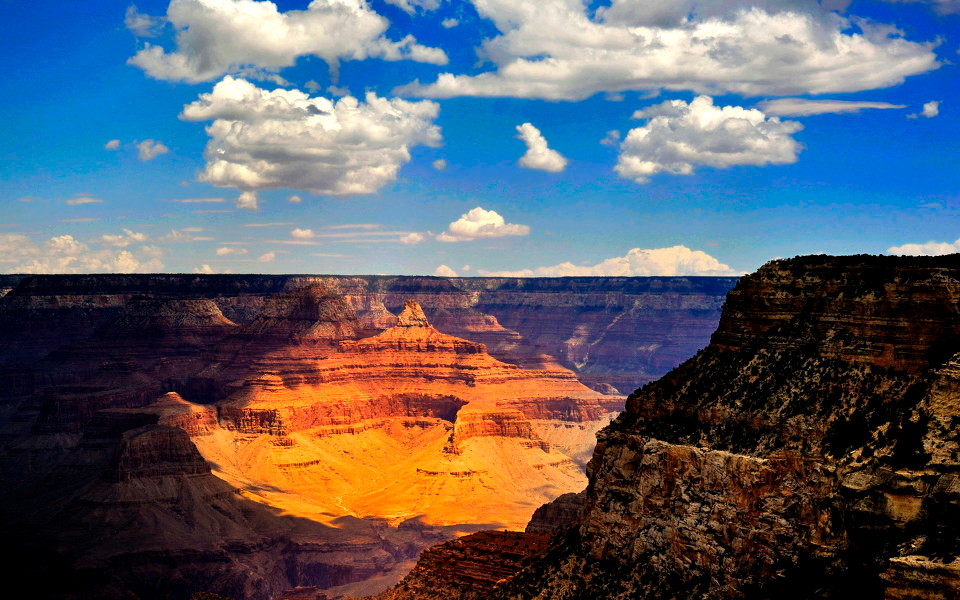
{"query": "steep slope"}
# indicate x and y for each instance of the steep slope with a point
(809, 452)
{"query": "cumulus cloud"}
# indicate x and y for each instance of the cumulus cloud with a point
(267, 257)
(295, 199)
(150, 149)
(65, 254)
(204, 269)
(539, 156)
(412, 239)
(248, 201)
(479, 223)
(215, 37)
(930, 248)
(930, 110)
(801, 107)
(123, 240)
(303, 234)
(112, 145)
(679, 136)
(555, 49)
(230, 251)
(449, 23)
(263, 139)
(444, 271)
(440, 164)
(676, 260)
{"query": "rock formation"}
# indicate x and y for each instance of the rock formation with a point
(255, 443)
(468, 567)
(809, 452)
(400, 425)
(612, 330)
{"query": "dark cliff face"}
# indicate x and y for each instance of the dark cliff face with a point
(811, 451)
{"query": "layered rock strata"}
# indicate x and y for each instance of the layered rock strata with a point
(619, 331)
(809, 452)
(470, 565)
(437, 417)
(341, 444)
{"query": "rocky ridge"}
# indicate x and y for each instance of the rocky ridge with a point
(809, 452)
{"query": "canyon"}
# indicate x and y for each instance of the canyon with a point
(810, 451)
(162, 435)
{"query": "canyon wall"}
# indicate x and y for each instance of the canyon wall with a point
(811, 451)
(261, 433)
(618, 331)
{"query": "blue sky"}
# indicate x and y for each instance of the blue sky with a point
(637, 137)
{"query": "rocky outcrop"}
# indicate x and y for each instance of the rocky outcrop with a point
(468, 567)
(808, 452)
(558, 514)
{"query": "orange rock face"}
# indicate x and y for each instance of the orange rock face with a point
(400, 425)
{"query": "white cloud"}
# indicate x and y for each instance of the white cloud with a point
(112, 145)
(150, 149)
(248, 201)
(303, 234)
(553, 49)
(931, 109)
(611, 139)
(65, 254)
(538, 155)
(479, 223)
(410, 6)
(204, 269)
(184, 235)
(294, 198)
(412, 239)
(285, 139)
(141, 24)
(267, 257)
(930, 248)
(680, 136)
(83, 200)
(123, 240)
(445, 271)
(676, 260)
(449, 23)
(230, 251)
(801, 107)
(215, 37)
(440, 164)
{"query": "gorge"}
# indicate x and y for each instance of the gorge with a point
(244, 435)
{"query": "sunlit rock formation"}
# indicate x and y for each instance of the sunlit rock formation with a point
(811, 451)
